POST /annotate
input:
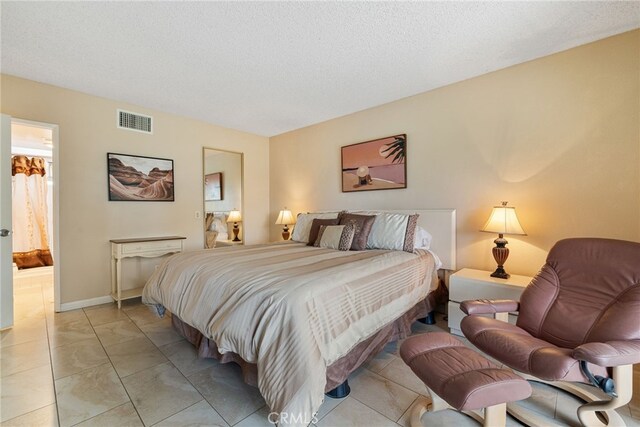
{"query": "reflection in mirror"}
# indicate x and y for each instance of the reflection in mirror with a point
(222, 194)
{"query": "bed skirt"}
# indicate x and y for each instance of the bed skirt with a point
(337, 372)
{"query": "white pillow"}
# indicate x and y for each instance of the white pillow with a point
(393, 231)
(303, 225)
(422, 239)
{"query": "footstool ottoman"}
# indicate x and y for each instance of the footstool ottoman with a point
(460, 378)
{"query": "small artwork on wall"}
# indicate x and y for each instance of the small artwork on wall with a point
(139, 178)
(213, 187)
(375, 165)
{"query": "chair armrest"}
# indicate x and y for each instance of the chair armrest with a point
(610, 353)
(486, 306)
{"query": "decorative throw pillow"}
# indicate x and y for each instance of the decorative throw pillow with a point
(362, 225)
(303, 224)
(315, 228)
(335, 237)
(393, 231)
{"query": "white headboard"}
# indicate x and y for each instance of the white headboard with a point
(441, 224)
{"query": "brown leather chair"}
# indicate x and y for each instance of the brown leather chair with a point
(579, 321)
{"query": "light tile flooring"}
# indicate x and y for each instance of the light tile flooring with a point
(107, 367)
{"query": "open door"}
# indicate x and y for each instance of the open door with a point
(6, 246)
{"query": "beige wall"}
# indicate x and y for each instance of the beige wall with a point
(557, 137)
(88, 220)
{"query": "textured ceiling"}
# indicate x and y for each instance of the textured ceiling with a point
(271, 67)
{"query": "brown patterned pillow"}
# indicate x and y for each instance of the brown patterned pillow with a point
(335, 237)
(410, 234)
(362, 225)
(315, 228)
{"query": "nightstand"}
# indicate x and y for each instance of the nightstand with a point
(223, 243)
(469, 284)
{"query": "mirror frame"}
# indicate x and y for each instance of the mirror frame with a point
(204, 211)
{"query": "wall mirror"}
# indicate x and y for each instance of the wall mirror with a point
(222, 195)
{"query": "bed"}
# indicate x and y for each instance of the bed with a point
(298, 319)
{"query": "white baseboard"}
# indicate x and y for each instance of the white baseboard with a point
(85, 303)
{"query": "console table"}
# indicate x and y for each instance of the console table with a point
(147, 247)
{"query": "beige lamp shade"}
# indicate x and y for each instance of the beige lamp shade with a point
(503, 220)
(234, 216)
(285, 217)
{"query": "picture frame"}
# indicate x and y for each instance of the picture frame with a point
(378, 164)
(134, 178)
(213, 189)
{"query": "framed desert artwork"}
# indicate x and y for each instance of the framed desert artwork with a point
(213, 186)
(139, 178)
(380, 164)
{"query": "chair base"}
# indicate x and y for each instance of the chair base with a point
(494, 416)
(595, 412)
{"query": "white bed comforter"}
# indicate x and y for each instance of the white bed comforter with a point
(289, 308)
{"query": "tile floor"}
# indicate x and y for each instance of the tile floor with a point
(101, 366)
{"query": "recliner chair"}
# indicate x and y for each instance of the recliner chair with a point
(579, 321)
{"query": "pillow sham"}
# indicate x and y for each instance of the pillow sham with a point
(393, 231)
(335, 237)
(362, 225)
(423, 238)
(315, 228)
(303, 224)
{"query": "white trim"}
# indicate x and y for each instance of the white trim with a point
(85, 303)
(56, 218)
(6, 271)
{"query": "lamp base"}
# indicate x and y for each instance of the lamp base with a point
(500, 254)
(236, 230)
(285, 233)
(500, 273)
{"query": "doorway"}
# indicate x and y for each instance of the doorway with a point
(34, 200)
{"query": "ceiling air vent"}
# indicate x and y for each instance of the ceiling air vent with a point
(135, 121)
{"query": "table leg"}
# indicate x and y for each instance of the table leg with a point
(113, 275)
(119, 282)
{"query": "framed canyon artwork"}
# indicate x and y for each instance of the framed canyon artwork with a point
(139, 178)
(380, 164)
(213, 186)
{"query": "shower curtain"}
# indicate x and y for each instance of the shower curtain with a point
(30, 213)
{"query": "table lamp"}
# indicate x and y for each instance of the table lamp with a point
(285, 218)
(235, 217)
(503, 220)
